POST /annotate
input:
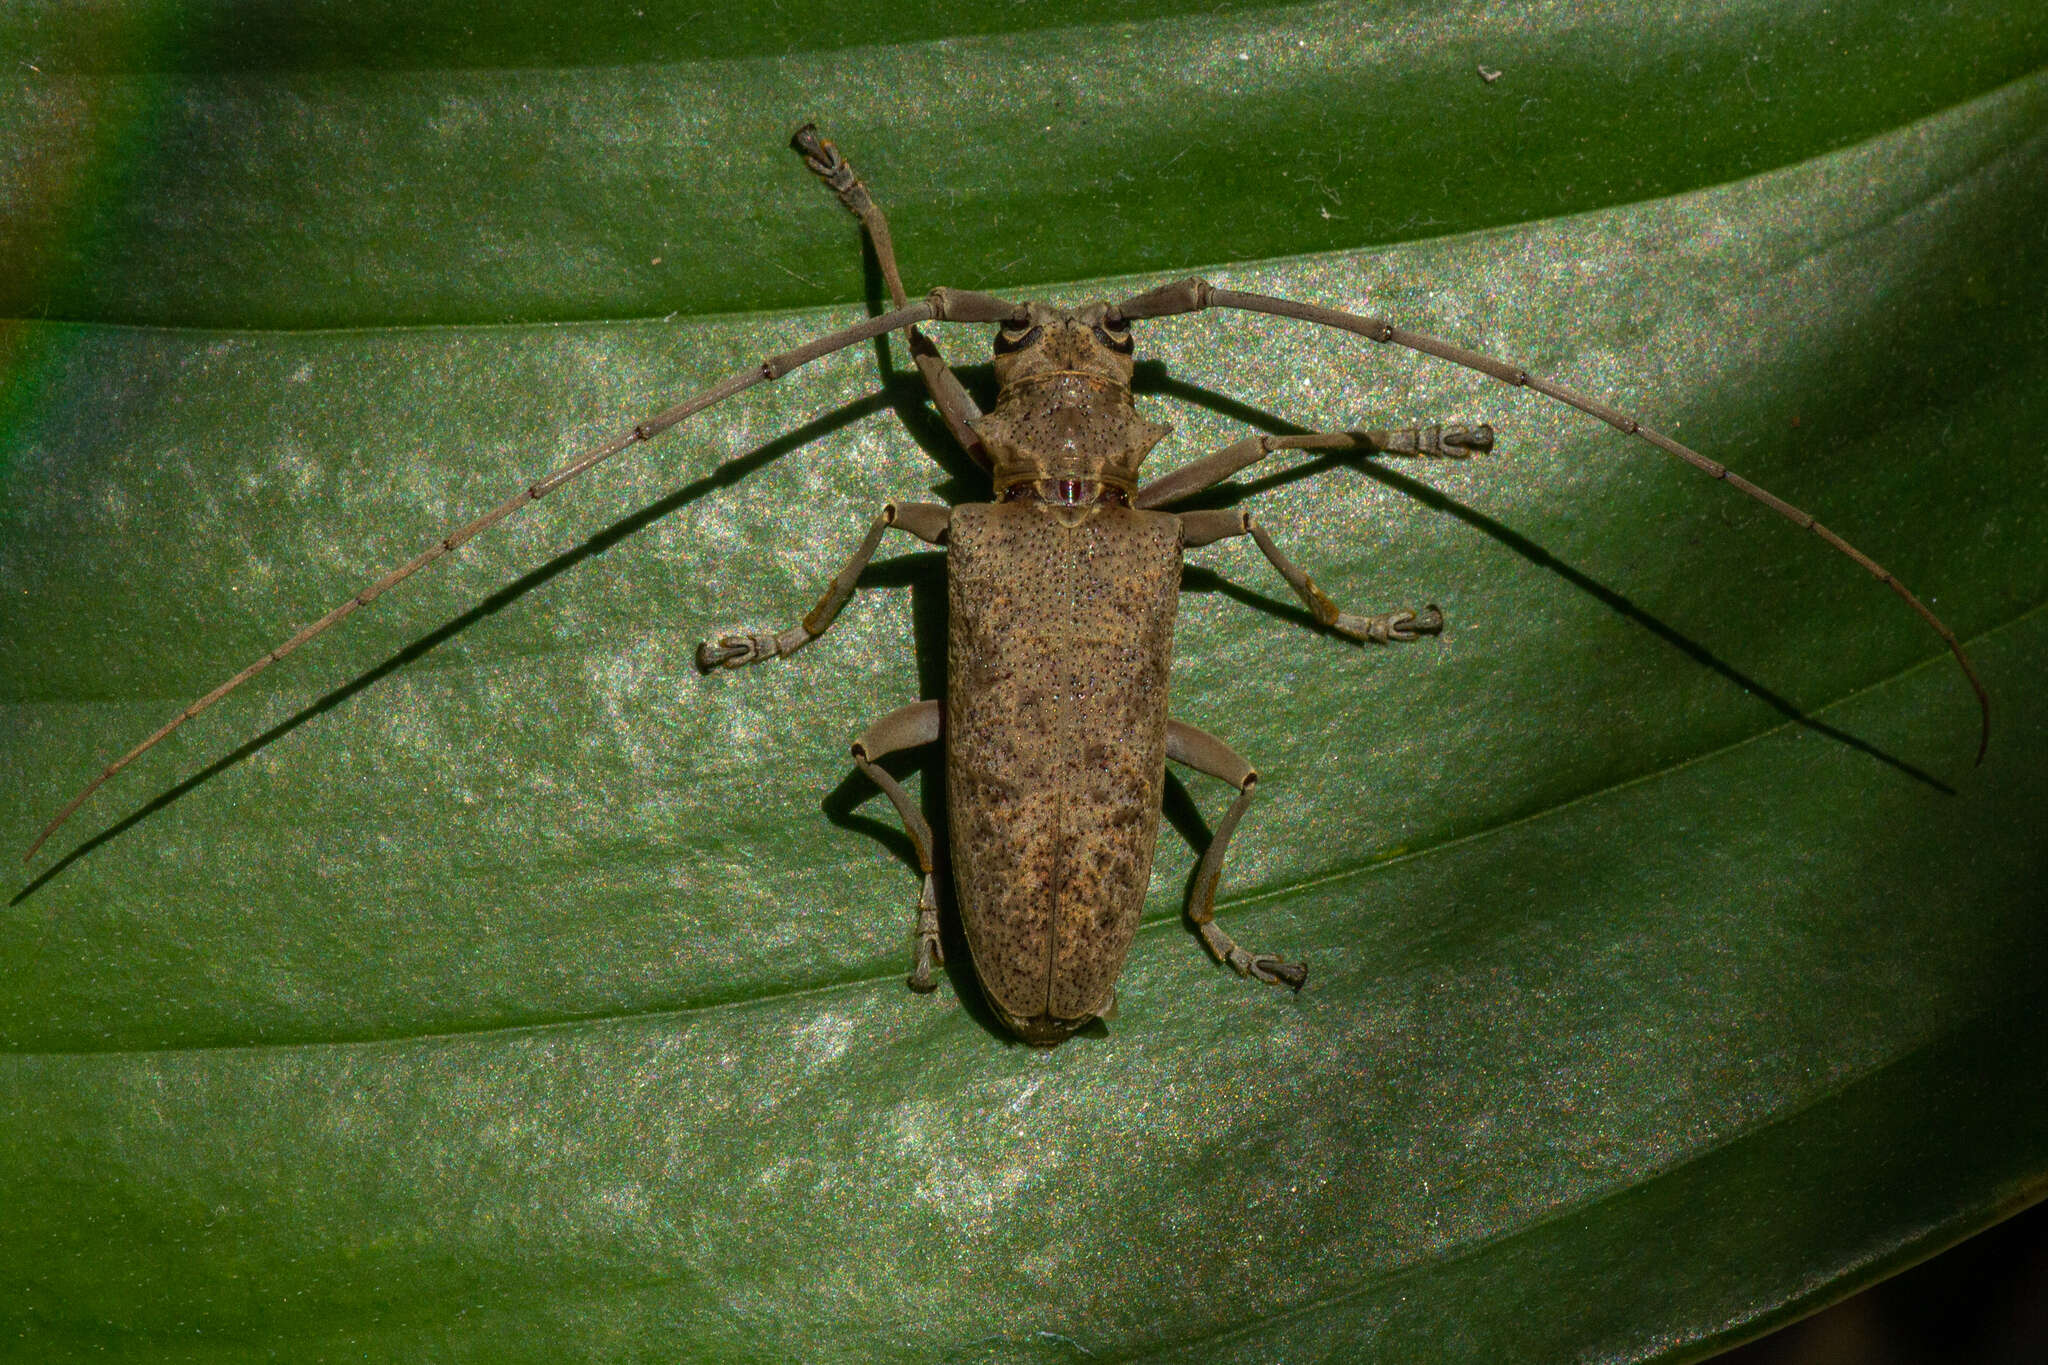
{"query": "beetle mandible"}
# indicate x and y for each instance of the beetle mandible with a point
(1062, 597)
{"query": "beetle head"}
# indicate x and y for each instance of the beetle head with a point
(1045, 344)
(1064, 410)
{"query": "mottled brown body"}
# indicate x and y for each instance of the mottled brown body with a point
(1055, 727)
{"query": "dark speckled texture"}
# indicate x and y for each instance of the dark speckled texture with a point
(1061, 641)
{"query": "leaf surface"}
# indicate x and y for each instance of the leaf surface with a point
(484, 984)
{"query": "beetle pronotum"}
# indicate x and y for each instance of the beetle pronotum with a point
(1062, 595)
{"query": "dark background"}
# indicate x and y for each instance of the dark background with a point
(1982, 1302)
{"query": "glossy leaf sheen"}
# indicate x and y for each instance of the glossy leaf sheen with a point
(501, 990)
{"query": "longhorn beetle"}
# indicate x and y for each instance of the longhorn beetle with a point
(1062, 594)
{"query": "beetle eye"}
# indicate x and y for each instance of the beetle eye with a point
(1014, 337)
(1114, 333)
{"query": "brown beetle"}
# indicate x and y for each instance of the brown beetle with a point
(1063, 593)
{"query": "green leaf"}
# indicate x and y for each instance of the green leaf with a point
(484, 984)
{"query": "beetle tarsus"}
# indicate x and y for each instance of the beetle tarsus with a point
(1269, 969)
(929, 953)
(1476, 440)
(1392, 627)
(1293, 975)
(735, 651)
(1453, 441)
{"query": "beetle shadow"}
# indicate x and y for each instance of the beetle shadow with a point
(1153, 379)
(924, 573)
(1178, 809)
(908, 399)
(898, 391)
(723, 476)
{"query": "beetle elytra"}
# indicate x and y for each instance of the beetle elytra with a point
(1062, 598)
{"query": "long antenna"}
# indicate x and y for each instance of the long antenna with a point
(943, 305)
(1192, 295)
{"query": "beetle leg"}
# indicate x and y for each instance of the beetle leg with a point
(1438, 442)
(955, 406)
(925, 520)
(906, 728)
(1202, 751)
(1201, 528)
